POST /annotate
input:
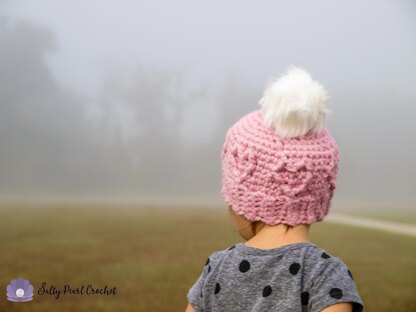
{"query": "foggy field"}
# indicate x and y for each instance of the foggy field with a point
(153, 255)
(121, 101)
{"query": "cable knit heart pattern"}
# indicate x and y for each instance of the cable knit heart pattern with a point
(278, 180)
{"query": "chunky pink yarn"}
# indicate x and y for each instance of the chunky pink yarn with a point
(278, 180)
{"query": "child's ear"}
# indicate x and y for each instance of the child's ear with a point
(241, 225)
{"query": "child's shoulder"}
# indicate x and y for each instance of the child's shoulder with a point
(219, 254)
(318, 259)
(312, 257)
(323, 258)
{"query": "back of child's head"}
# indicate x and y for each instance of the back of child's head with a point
(280, 162)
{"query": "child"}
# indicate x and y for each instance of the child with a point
(279, 169)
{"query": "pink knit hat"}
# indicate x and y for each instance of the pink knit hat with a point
(280, 163)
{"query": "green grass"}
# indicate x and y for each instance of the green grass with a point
(153, 255)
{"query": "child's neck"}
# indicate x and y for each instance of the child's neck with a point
(273, 236)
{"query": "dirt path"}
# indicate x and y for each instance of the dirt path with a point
(387, 226)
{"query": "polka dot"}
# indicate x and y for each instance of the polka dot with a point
(335, 293)
(294, 268)
(244, 266)
(350, 274)
(217, 288)
(325, 255)
(267, 291)
(206, 263)
(304, 298)
(232, 247)
(209, 268)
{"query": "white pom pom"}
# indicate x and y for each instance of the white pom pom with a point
(294, 104)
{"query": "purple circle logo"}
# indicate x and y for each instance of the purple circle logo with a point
(19, 290)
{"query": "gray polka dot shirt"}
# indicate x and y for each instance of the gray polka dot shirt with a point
(295, 277)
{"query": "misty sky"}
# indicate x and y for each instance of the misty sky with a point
(93, 90)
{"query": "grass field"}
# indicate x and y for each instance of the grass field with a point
(153, 255)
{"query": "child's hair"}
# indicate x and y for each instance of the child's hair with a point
(280, 162)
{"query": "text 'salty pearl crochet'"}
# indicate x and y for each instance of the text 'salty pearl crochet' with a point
(274, 179)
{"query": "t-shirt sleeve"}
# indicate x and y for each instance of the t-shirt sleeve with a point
(333, 284)
(194, 294)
